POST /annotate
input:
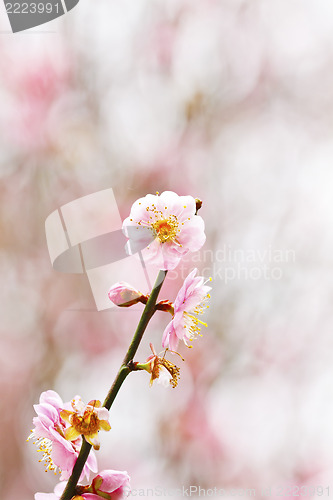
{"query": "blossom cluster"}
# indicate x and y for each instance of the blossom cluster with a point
(58, 433)
(163, 228)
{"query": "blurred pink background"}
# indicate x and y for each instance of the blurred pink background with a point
(230, 101)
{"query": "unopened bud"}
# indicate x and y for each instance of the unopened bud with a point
(198, 205)
(124, 295)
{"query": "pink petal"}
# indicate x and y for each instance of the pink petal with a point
(191, 293)
(169, 261)
(66, 474)
(103, 414)
(163, 255)
(78, 404)
(113, 480)
(173, 341)
(62, 457)
(139, 208)
(153, 253)
(193, 235)
(176, 205)
(166, 335)
(59, 488)
(63, 453)
(47, 412)
(170, 338)
(181, 295)
(92, 461)
(52, 398)
(193, 299)
(178, 322)
(139, 236)
(40, 430)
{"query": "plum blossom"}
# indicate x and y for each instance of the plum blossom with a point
(165, 228)
(190, 302)
(109, 484)
(124, 295)
(59, 453)
(86, 420)
(161, 369)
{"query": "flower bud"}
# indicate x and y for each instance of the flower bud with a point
(198, 205)
(110, 484)
(124, 295)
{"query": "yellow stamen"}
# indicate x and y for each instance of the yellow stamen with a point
(45, 446)
(164, 227)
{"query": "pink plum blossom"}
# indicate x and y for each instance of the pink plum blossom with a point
(165, 228)
(49, 433)
(124, 295)
(190, 302)
(111, 484)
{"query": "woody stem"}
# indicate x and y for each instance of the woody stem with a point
(125, 368)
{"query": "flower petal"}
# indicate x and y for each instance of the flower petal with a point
(171, 203)
(193, 235)
(63, 457)
(93, 440)
(139, 236)
(104, 425)
(66, 415)
(59, 488)
(71, 434)
(52, 398)
(92, 461)
(113, 480)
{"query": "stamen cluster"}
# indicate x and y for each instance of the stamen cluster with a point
(190, 302)
(160, 368)
(86, 421)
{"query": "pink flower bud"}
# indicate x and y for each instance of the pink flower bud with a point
(112, 481)
(124, 295)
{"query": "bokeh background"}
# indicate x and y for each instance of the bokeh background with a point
(230, 101)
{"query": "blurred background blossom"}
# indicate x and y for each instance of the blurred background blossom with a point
(230, 101)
